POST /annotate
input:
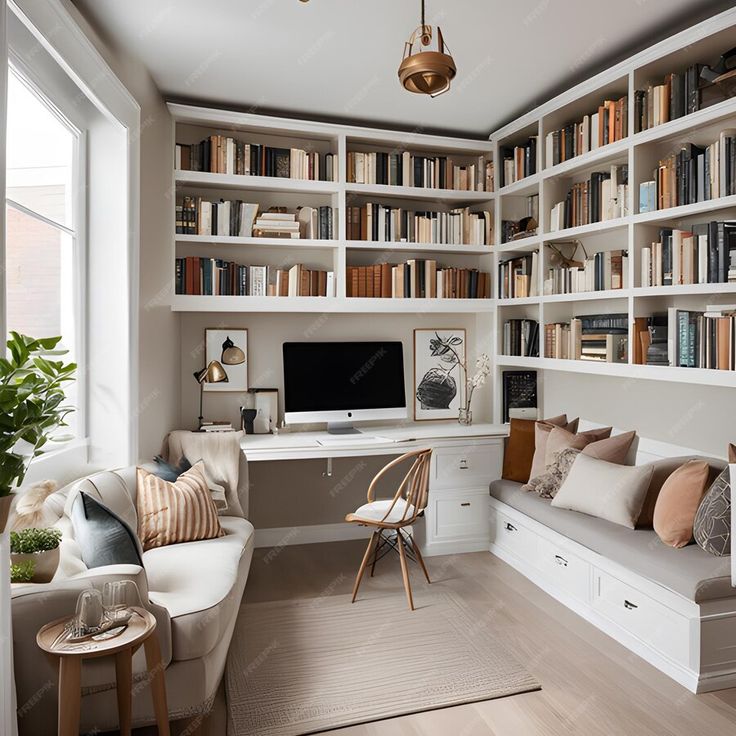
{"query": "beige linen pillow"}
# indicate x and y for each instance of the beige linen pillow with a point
(170, 513)
(542, 430)
(678, 501)
(606, 490)
(560, 439)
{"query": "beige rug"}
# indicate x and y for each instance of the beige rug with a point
(299, 667)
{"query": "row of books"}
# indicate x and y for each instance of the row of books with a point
(519, 277)
(380, 223)
(526, 226)
(235, 218)
(602, 271)
(608, 125)
(519, 161)
(702, 339)
(411, 170)
(603, 196)
(520, 338)
(600, 338)
(678, 95)
(693, 174)
(221, 154)
(705, 253)
(216, 277)
(417, 279)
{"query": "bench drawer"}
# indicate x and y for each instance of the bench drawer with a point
(512, 536)
(474, 466)
(460, 515)
(565, 570)
(654, 623)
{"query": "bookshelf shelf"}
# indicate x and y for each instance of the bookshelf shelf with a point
(258, 242)
(454, 196)
(401, 247)
(587, 296)
(685, 210)
(204, 179)
(684, 290)
(599, 157)
(527, 185)
(518, 301)
(593, 229)
(520, 245)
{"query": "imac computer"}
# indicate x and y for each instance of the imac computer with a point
(343, 382)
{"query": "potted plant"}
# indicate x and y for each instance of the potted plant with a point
(31, 396)
(40, 547)
(22, 573)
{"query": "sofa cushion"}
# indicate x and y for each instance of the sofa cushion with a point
(690, 572)
(519, 453)
(200, 584)
(712, 527)
(542, 432)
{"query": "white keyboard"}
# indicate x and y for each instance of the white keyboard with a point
(353, 440)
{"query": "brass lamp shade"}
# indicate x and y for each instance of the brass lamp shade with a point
(213, 372)
(231, 353)
(427, 73)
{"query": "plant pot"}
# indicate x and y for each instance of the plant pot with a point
(46, 564)
(5, 503)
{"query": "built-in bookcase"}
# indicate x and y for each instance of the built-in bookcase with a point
(633, 230)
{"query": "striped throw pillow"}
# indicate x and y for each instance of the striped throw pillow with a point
(182, 511)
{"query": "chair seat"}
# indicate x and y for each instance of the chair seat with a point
(377, 510)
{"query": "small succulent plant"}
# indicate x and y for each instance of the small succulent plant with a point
(22, 572)
(28, 541)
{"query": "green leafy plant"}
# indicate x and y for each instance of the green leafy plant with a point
(28, 541)
(31, 396)
(22, 572)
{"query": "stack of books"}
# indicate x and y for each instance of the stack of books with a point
(276, 225)
(219, 154)
(417, 279)
(518, 277)
(519, 161)
(702, 339)
(600, 338)
(692, 174)
(381, 223)
(602, 271)
(216, 426)
(603, 197)
(678, 95)
(607, 125)
(217, 277)
(521, 338)
(703, 254)
(410, 170)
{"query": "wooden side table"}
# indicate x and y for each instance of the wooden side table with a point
(141, 630)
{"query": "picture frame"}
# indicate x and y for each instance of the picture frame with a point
(229, 347)
(439, 381)
(266, 405)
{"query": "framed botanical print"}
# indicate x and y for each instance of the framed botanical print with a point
(230, 349)
(439, 384)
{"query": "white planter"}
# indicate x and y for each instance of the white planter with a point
(46, 564)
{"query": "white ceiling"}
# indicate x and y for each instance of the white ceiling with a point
(337, 59)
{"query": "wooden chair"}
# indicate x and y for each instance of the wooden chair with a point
(390, 518)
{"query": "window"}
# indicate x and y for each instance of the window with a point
(44, 256)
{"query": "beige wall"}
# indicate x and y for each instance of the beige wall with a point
(158, 343)
(698, 417)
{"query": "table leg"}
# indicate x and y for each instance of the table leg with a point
(158, 683)
(124, 677)
(70, 695)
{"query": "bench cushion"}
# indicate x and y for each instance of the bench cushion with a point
(689, 571)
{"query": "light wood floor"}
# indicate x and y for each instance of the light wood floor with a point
(590, 684)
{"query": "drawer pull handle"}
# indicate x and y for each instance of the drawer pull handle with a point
(560, 560)
(466, 503)
(463, 464)
(510, 527)
(629, 605)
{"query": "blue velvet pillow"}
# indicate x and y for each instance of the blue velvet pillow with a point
(167, 471)
(103, 537)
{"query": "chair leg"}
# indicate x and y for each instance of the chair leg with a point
(379, 546)
(405, 570)
(369, 549)
(420, 559)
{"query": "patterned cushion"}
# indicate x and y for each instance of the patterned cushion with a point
(169, 513)
(547, 484)
(712, 527)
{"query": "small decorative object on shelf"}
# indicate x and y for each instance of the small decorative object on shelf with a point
(38, 548)
(482, 369)
(33, 414)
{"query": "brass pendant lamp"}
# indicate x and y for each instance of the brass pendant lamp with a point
(426, 72)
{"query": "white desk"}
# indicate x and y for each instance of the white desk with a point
(464, 461)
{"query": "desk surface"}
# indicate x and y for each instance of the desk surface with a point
(399, 439)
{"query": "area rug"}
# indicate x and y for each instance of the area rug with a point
(303, 666)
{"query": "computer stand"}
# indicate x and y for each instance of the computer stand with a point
(342, 428)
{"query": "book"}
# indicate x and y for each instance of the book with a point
(519, 161)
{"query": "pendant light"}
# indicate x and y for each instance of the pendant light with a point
(426, 72)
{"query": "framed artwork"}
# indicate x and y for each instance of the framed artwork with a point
(230, 349)
(439, 386)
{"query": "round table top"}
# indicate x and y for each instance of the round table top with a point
(141, 625)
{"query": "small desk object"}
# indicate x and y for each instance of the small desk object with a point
(141, 629)
(465, 459)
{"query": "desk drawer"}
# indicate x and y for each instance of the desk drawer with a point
(466, 467)
(654, 623)
(567, 571)
(461, 515)
(514, 537)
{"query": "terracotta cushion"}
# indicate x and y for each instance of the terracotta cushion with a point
(561, 439)
(519, 452)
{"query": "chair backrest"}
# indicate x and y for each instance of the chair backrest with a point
(414, 488)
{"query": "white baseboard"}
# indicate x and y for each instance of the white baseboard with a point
(287, 536)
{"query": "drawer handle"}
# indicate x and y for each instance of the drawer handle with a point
(510, 527)
(465, 503)
(463, 464)
(560, 560)
(629, 605)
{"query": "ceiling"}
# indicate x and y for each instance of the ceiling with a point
(337, 59)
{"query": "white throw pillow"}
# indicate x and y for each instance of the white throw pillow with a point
(612, 492)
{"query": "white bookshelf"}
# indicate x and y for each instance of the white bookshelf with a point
(701, 43)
